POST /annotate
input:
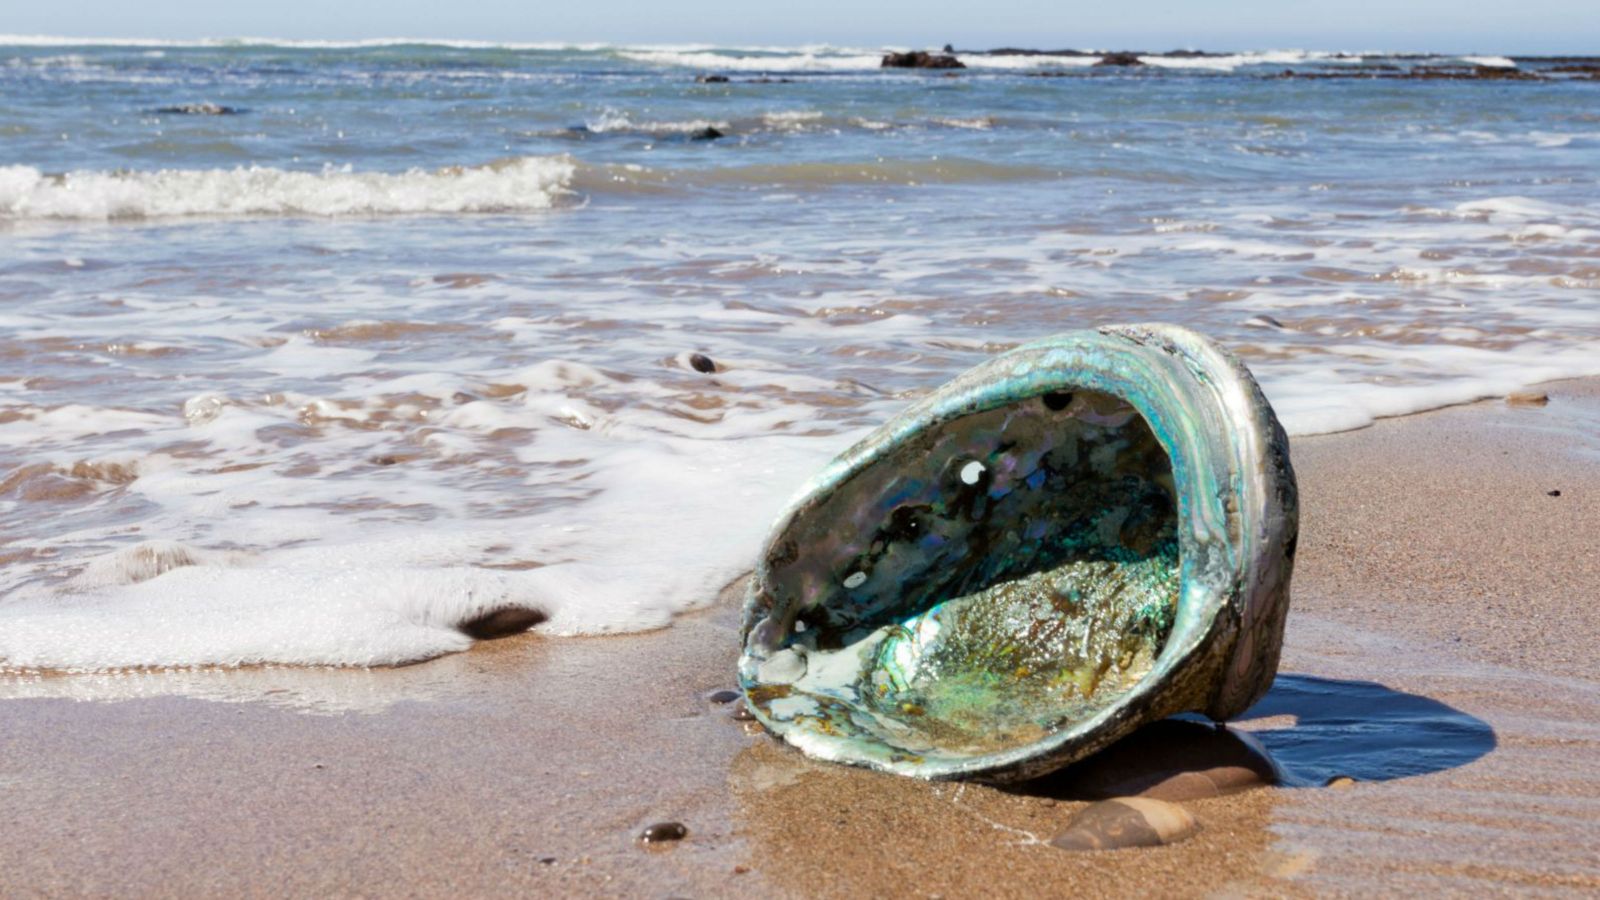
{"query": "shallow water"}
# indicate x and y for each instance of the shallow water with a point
(407, 337)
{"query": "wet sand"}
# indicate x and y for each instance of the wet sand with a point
(1441, 651)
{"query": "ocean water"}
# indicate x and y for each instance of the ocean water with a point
(406, 335)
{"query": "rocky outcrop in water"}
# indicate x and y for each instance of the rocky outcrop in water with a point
(1421, 73)
(199, 109)
(921, 59)
(1120, 58)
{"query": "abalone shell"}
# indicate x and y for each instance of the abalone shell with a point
(1079, 536)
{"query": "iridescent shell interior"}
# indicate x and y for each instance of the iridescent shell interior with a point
(980, 585)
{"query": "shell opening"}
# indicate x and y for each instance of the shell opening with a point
(986, 583)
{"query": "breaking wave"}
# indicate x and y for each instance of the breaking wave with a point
(518, 184)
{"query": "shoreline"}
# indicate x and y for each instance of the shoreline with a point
(1437, 579)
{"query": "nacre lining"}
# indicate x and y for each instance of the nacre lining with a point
(1012, 570)
(1087, 533)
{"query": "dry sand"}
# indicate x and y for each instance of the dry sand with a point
(1442, 651)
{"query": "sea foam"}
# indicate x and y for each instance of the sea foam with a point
(513, 185)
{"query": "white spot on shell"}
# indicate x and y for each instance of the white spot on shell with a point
(855, 580)
(799, 625)
(784, 667)
(972, 471)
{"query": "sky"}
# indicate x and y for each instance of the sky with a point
(1448, 26)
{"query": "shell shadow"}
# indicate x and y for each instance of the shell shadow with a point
(1331, 728)
(1363, 730)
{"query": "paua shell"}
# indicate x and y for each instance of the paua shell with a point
(1085, 534)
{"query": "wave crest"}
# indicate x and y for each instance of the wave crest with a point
(518, 184)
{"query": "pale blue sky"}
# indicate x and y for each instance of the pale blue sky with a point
(1522, 26)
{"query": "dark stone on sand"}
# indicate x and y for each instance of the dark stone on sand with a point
(920, 59)
(724, 696)
(707, 133)
(1171, 760)
(662, 832)
(1120, 58)
(1552, 493)
(703, 363)
(199, 109)
(1125, 822)
(711, 79)
(502, 622)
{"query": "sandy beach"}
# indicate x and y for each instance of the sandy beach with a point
(1440, 652)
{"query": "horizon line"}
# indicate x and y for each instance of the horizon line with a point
(331, 43)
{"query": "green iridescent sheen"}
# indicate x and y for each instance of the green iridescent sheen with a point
(1080, 535)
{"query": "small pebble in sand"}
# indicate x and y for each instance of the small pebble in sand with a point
(1527, 398)
(1126, 822)
(703, 363)
(1341, 782)
(723, 696)
(1553, 493)
(661, 832)
(741, 713)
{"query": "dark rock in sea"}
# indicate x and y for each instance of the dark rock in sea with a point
(723, 696)
(711, 79)
(707, 133)
(662, 832)
(949, 49)
(702, 363)
(1584, 70)
(1126, 822)
(1120, 58)
(1024, 51)
(199, 109)
(1476, 73)
(1418, 73)
(920, 59)
(766, 80)
(500, 623)
(1170, 760)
